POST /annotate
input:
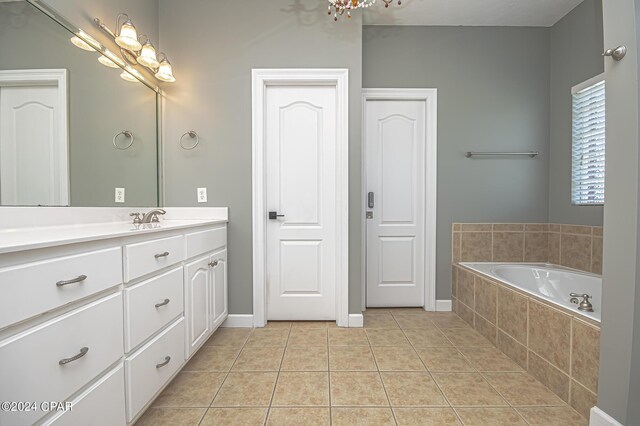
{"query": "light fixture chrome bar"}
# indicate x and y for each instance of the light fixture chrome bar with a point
(104, 27)
(470, 154)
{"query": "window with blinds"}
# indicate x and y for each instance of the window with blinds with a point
(588, 142)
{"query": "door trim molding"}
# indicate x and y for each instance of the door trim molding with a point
(261, 79)
(430, 97)
(48, 77)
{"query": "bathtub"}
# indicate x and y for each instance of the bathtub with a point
(549, 282)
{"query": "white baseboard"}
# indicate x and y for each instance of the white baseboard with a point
(239, 320)
(443, 305)
(600, 418)
(356, 320)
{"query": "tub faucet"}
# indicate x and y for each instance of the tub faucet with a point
(152, 216)
(585, 305)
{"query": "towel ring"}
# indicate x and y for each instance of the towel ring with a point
(191, 134)
(128, 134)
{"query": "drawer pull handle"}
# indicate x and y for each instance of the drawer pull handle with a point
(166, 302)
(214, 263)
(83, 352)
(73, 281)
(165, 254)
(166, 361)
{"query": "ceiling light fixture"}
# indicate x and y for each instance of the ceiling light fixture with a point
(137, 50)
(339, 7)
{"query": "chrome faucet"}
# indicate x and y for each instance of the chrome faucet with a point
(585, 305)
(152, 216)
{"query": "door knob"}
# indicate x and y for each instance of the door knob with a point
(617, 54)
(274, 215)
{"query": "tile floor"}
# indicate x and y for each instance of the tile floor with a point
(406, 367)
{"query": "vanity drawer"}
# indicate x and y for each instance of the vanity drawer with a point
(149, 256)
(151, 305)
(205, 241)
(152, 366)
(30, 369)
(38, 287)
(100, 405)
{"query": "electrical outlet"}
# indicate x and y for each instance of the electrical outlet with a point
(202, 195)
(119, 195)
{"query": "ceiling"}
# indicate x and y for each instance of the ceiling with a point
(519, 13)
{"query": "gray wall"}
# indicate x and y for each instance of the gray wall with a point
(214, 46)
(493, 95)
(101, 104)
(576, 46)
(619, 376)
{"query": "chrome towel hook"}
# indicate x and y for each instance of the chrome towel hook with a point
(192, 134)
(128, 134)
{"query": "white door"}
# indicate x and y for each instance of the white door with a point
(300, 154)
(395, 169)
(198, 296)
(30, 163)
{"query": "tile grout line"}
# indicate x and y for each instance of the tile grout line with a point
(275, 384)
(431, 375)
(393, 414)
(226, 374)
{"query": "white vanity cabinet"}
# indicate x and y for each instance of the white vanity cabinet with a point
(106, 324)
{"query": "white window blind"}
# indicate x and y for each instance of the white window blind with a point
(587, 170)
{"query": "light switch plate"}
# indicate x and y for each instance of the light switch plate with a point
(119, 195)
(202, 195)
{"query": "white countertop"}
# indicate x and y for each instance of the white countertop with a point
(35, 237)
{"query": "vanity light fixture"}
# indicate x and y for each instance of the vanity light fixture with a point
(78, 42)
(130, 74)
(127, 35)
(107, 62)
(165, 72)
(137, 50)
(148, 56)
(81, 43)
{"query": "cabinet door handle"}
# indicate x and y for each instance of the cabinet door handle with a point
(165, 362)
(72, 281)
(83, 352)
(166, 302)
(165, 254)
(214, 263)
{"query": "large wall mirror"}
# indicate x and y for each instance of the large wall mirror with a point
(73, 130)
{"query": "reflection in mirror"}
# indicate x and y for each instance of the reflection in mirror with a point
(72, 130)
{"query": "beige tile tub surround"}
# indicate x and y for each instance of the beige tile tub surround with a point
(555, 346)
(574, 246)
(406, 367)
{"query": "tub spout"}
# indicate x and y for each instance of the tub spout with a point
(585, 305)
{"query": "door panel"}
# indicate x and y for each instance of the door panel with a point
(197, 306)
(219, 292)
(30, 172)
(395, 160)
(300, 166)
